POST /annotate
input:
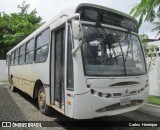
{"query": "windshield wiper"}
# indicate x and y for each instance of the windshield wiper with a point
(105, 36)
(128, 43)
(107, 40)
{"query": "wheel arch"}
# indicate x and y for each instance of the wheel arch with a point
(37, 85)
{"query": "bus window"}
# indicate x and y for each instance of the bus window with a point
(29, 51)
(7, 60)
(42, 42)
(116, 53)
(69, 63)
(12, 58)
(16, 56)
(22, 54)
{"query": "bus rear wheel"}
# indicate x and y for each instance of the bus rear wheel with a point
(43, 107)
(13, 89)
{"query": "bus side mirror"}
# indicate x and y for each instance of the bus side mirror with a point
(76, 30)
(77, 35)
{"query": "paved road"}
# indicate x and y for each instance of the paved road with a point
(18, 106)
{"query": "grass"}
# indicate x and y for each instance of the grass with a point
(4, 81)
(155, 100)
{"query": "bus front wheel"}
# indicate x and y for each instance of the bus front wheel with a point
(43, 107)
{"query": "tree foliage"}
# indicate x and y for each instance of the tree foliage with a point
(147, 50)
(157, 28)
(15, 27)
(144, 40)
(145, 10)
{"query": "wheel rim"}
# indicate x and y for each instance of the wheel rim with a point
(42, 98)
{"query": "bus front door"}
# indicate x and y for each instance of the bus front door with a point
(57, 63)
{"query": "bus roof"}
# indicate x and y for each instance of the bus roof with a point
(67, 12)
(107, 9)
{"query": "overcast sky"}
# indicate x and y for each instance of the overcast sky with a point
(47, 9)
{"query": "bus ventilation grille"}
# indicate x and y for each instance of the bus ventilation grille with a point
(116, 95)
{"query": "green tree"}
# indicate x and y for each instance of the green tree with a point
(145, 10)
(157, 28)
(149, 51)
(15, 27)
(144, 40)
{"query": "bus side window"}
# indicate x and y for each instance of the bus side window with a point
(16, 54)
(22, 54)
(7, 60)
(69, 62)
(42, 46)
(12, 58)
(29, 51)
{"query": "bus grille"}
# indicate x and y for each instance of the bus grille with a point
(117, 106)
(116, 95)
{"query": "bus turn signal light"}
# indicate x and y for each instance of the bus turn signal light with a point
(69, 102)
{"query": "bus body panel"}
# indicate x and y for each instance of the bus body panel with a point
(86, 105)
(83, 108)
(79, 80)
(69, 103)
(115, 84)
(25, 76)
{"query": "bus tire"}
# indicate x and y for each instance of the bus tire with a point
(12, 87)
(43, 107)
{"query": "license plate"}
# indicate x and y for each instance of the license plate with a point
(125, 101)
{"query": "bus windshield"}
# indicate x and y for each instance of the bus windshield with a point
(110, 52)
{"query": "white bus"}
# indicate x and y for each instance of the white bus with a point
(87, 62)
